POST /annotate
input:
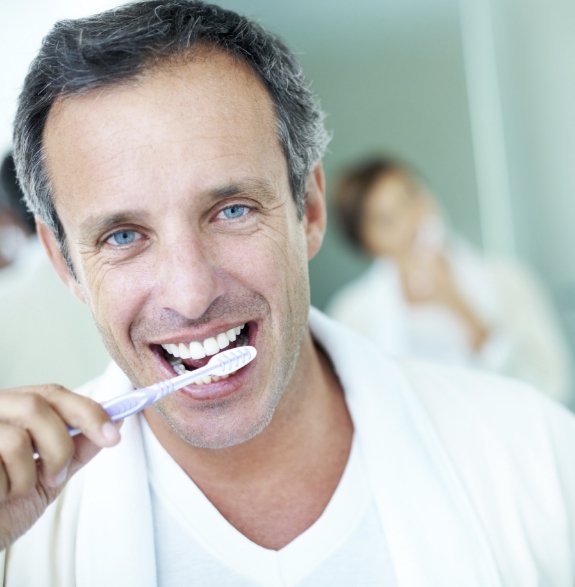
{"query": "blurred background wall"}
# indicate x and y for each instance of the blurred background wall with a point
(478, 94)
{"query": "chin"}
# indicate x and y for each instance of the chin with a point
(216, 431)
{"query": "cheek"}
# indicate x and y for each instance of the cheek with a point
(276, 268)
(261, 268)
(375, 239)
(115, 296)
(268, 257)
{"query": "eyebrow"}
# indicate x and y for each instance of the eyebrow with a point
(99, 224)
(248, 186)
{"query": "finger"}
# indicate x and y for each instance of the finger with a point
(86, 415)
(75, 410)
(46, 412)
(82, 413)
(19, 468)
(44, 430)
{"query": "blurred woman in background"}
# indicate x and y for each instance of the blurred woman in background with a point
(430, 294)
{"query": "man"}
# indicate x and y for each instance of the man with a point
(172, 153)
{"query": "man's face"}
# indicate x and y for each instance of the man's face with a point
(174, 197)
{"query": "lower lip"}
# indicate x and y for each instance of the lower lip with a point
(217, 390)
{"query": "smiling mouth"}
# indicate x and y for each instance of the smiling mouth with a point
(187, 356)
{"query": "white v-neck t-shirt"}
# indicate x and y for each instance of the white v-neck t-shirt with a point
(196, 545)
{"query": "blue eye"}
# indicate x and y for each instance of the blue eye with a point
(123, 237)
(235, 211)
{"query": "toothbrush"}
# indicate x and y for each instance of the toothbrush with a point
(135, 401)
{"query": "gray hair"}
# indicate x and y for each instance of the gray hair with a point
(117, 45)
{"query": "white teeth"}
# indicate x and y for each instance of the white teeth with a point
(179, 368)
(211, 346)
(207, 379)
(198, 350)
(223, 340)
(172, 349)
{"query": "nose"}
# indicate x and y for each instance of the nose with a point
(188, 278)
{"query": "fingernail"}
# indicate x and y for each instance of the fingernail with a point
(110, 432)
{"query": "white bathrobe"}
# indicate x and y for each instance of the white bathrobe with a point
(525, 342)
(473, 477)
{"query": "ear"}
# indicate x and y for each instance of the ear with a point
(315, 212)
(54, 252)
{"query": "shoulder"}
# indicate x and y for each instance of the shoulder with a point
(494, 419)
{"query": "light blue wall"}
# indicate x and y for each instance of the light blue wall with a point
(390, 77)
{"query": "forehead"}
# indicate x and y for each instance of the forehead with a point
(389, 191)
(181, 123)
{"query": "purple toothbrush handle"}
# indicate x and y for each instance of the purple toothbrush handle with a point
(133, 402)
(120, 407)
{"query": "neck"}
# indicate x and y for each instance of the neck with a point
(277, 484)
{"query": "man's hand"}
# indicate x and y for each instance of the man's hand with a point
(37, 455)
